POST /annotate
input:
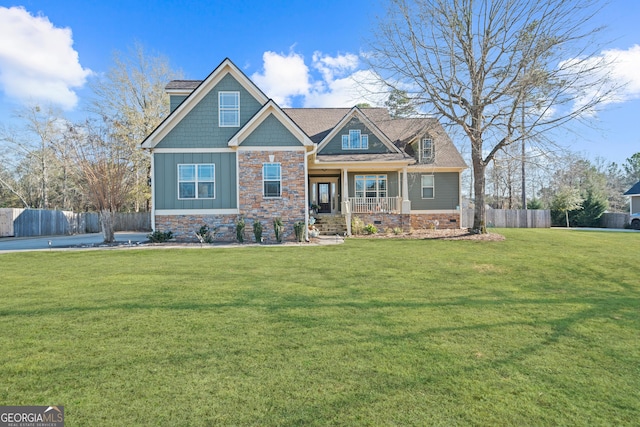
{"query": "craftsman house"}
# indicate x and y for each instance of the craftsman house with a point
(227, 151)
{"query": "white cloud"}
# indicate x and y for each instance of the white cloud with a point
(626, 64)
(358, 87)
(332, 66)
(615, 79)
(37, 60)
(331, 81)
(283, 77)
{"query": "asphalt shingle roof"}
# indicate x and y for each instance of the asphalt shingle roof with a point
(633, 190)
(318, 122)
(183, 84)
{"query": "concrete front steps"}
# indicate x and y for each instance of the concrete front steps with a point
(330, 225)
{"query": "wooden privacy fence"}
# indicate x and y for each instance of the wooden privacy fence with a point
(614, 220)
(40, 222)
(511, 218)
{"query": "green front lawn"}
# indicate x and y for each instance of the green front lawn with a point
(540, 329)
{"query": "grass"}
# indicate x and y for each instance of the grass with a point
(541, 329)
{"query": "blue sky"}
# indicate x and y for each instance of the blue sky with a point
(299, 52)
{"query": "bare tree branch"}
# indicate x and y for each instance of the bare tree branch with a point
(486, 66)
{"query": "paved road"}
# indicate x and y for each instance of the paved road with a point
(35, 243)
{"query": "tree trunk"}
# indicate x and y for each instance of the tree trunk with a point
(479, 213)
(107, 218)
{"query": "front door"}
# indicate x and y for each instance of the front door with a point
(324, 197)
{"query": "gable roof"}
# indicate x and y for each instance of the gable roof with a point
(197, 94)
(318, 122)
(355, 112)
(635, 190)
(270, 108)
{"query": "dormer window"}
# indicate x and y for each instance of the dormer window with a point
(426, 152)
(229, 109)
(355, 140)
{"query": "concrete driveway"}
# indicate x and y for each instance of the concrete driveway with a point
(10, 244)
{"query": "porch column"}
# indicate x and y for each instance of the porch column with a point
(406, 203)
(345, 188)
(346, 206)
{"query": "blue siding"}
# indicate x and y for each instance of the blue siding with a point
(335, 145)
(446, 191)
(175, 100)
(166, 185)
(199, 129)
(271, 132)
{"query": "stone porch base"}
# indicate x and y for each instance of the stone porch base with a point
(408, 222)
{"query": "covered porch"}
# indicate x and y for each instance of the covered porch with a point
(356, 191)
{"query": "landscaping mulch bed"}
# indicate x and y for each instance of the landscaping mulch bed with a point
(456, 234)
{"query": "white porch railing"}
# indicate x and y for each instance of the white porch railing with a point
(375, 204)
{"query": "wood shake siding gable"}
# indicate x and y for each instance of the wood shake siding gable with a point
(199, 128)
(334, 146)
(271, 133)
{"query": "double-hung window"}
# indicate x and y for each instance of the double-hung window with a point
(426, 150)
(355, 140)
(428, 186)
(197, 181)
(371, 186)
(229, 109)
(272, 179)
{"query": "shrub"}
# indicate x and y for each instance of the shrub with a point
(240, 229)
(257, 231)
(371, 229)
(357, 225)
(298, 228)
(397, 230)
(534, 204)
(160, 236)
(278, 229)
(206, 235)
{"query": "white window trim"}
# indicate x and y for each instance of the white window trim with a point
(220, 109)
(196, 181)
(272, 180)
(422, 158)
(377, 178)
(433, 187)
(362, 144)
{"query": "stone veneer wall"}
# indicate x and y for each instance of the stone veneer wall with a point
(410, 222)
(385, 221)
(184, 227)
(427, 221)
(290, 207)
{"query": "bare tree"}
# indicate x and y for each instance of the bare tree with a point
(103, 164)
(33, 143)
(499, 70)
(131, 96)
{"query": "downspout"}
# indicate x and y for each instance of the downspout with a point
(306, 191)
(346, 205)
(460, 212)
(153, 191)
